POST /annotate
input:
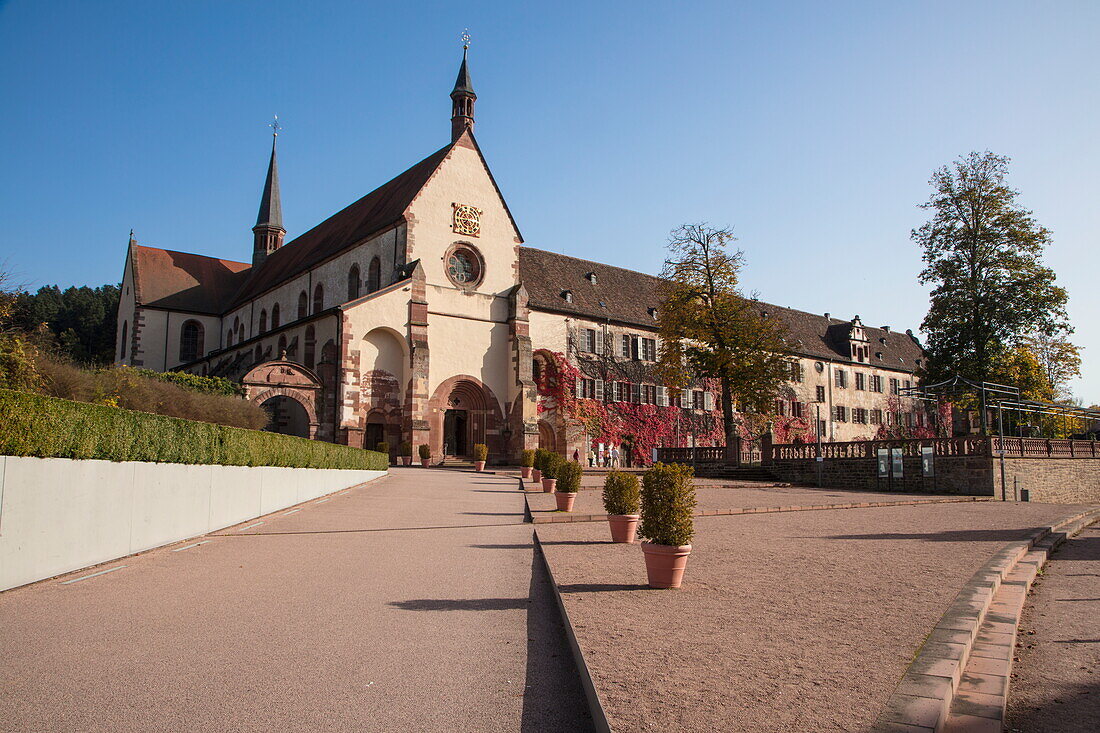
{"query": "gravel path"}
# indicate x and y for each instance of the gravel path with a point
(414, 603)
(800, 621)
(591, 502)
(1056, 682)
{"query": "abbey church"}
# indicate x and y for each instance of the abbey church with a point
(417, 314)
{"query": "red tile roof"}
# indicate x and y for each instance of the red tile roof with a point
(627, 297)
(183, 281)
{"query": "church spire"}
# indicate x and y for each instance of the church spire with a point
(462, 96)
(268, 232)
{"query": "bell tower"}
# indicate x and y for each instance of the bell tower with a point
(267, 235)
(462, 97)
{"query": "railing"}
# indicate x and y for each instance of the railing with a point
(684, 455)
(1045, 448)
(967, 446)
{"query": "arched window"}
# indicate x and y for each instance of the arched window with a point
(374, 275)
(303, 303)
(282, 345)
(229, 338)
(311, 347)
(353, 282)
(263, 320)
(240, 333)
(125, 328)
(318, 298)
(275, 316)
(191, 338)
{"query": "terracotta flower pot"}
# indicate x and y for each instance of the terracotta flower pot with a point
(548, 485)
(525, 472)
(536, 475)
(623, 527)
(426, 462)
(407, 460)
(479, 465)
(664, 564)
(565, 500)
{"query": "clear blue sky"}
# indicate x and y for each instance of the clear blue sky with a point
(812, 128)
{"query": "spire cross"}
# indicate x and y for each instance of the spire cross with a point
(466, 38)
(275, 126)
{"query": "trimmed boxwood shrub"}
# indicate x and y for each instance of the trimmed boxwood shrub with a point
(527, 459)
(383, 447)
(540, 458)
(620, 493)
(424, 450)
(569, 477)
(47, 427)
(551, 463)
(481, 452)
(668, 503)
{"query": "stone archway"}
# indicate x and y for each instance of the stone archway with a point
(549, 438)
(289, 391)
(464, 412)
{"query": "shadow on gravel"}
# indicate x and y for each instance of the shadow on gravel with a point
(553, 700)
(1070, 709)
(600, 587)
(960, 535)
(461, 604)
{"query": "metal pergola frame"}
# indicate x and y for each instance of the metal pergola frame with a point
(959, 386)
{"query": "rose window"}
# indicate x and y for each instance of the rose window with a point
(463, 267)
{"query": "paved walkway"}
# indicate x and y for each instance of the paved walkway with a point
(1056, 682)
(413, 603)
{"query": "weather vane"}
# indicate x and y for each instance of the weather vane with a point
(466, 38)
(276, 126)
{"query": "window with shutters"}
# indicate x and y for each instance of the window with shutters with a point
(908, 419)
(908, 384)
(841, 413)
(696, 399)
(894, 386)
(861, 381)
(590, 340)
(649, 394)
(859, 415)
(797, 373)
(841, 378)
(876, 416)
(820, 393)
(625, 353)
(876, 383)
(649, 349)
(781, 407)
(798, 409)
(588, 389)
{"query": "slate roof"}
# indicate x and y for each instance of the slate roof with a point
(377, 211)
(628, 297)
(463, 83)
(184, 281)
(271, 206)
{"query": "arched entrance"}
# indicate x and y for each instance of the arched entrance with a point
(548, 439)
(288, 416)
(465, 413)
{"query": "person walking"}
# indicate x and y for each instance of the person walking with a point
(615, 456)
(576, 455)
(591, 458)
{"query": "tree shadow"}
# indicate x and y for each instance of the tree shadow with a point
(600, 587)
(553, 698)
(955, 535)
(1068, 709)
(461, 604)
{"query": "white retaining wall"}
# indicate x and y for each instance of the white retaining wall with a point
(59, 514)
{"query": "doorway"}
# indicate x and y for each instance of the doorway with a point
(373, 435)
(454, 433)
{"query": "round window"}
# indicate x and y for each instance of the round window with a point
(463, 267)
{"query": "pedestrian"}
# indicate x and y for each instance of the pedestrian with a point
(615, 456)
(576, 455)
(591, 458)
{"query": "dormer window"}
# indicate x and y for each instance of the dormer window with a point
(882, 341)
(878, 354)
(918, 362)
(567, 296)
(591, 277)
(653, 313)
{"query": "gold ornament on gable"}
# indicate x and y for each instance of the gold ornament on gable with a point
(466, 220)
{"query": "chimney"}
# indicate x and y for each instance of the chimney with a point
(885, 328)
(826, 316)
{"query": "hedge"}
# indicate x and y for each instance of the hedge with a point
(47, 427)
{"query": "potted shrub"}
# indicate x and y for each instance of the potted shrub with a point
(526, 461)
(540, 458)
(425, 451)
(668, 502)
(620, 501)
(481, 454)
(405, 450)
(569, 482)
(383, 447)
(550, 463)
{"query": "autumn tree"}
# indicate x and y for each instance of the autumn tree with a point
(709, 329)
(983, 257)
(1059, 359)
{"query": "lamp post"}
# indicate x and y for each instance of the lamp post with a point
(817, 429)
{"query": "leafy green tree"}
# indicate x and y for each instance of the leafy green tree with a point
(983, 257)
(709, 329)
(80, 319)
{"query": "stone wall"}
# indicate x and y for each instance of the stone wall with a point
(1054, 480)
(970, 475)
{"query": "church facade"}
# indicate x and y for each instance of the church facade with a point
(417, 314)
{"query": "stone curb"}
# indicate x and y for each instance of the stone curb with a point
(591, 694)
(543, 517)
(966, 659)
